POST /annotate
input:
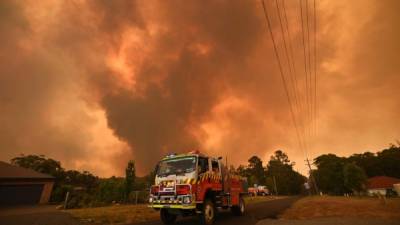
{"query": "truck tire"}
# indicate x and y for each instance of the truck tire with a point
(239, 209)
(166, 217)
(208, 213)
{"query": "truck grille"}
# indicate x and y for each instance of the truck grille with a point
(167, 193)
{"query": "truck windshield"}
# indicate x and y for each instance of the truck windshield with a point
(176, 166)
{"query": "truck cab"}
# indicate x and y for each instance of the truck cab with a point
(195, 184)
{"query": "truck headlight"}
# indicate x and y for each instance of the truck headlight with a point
(150, 200)
(187, 199)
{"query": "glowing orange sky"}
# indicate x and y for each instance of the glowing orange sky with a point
(96, 83)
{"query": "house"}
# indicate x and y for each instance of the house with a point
(381, 185)
(23, 186)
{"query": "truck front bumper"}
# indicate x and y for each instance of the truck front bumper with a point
(172, 202)
(172, 206)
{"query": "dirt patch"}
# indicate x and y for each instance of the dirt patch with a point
(317, 207)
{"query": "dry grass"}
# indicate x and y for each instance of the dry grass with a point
(118, 214)
(255, 199)
(316, 207)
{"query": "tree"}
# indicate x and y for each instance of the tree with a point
(111, 189)
(130, 176)
(65, 180)
(256, 173)
(242, 171)
(383, 163)
(149, 179)
(40, 164)
(389, 161)
(354, 177)
(280, 156)
(83, 179)
(369, 162)
(287, 180)
(329, 174)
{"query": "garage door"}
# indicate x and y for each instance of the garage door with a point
(20, 194)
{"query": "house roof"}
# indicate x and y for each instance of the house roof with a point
(381, 182)
(8, 171)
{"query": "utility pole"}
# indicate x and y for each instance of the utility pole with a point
(312, 176)
(276, 189)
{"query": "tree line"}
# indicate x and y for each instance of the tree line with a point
(333, 175)
(340, 175)
(278, 174)
(86, 189)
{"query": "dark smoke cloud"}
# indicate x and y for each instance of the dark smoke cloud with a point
(81, 78)
(166, 114)
(41, 88)
(30, 80)
(362, 92)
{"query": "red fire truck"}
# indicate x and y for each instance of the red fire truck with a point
(195, 184)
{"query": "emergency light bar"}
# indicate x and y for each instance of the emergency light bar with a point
(170, 155)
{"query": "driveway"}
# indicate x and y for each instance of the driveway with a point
(35, 215)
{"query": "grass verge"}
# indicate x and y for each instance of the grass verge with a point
(362, 207)
(255, 199)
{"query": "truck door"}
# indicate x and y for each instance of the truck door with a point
(203, 165)
(202, 184)
(216, 172)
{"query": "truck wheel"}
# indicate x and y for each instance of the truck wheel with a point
(166, 217)
(239, 209)
(208, 214)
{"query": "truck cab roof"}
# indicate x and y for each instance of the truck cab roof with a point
(181, 155)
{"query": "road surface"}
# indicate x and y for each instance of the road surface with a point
(48, 215)
(254, 213)
(35, 215)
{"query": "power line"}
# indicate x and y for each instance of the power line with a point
(308, 106)
(315, 70)
(281, 69)
(310, 93)
(290, 45)
(302, 106)
(291, 70)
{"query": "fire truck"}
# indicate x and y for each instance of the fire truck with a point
(258, 190)
(195, 184)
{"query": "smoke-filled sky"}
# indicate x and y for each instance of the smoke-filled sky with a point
(94, 83)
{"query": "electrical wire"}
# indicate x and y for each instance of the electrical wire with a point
(281, 71)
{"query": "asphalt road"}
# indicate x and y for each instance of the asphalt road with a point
(35, 215)
(254, 213)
